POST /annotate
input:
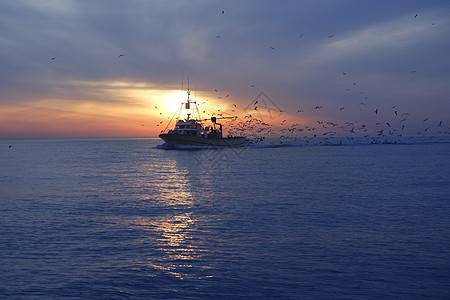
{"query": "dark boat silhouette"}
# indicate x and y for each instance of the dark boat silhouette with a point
(192, 131)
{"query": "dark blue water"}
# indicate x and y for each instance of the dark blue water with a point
(123, 219)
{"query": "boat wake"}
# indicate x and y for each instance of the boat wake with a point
(277, 143)
(248, 145)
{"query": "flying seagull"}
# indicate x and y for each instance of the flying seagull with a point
(120, 55)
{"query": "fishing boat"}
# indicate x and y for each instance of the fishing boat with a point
(191, 131)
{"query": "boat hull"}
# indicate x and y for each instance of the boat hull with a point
(178, 139)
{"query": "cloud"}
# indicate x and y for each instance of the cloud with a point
(52, 7)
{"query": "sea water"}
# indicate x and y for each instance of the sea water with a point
(129, 219)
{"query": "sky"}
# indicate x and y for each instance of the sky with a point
(109, 68)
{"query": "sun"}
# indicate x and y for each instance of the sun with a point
(157, 102)
(171, 101)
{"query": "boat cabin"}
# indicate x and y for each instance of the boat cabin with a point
(191, 127)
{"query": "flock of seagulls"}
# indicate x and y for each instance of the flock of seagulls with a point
(380, 132)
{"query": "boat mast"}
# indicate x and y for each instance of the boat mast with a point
(195, 111)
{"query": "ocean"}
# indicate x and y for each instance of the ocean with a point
(130, 219)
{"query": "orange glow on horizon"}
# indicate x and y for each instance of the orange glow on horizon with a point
(101, 109)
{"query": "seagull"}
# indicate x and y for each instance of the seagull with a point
(218, 37)
(376, 111)
(272, 48)
(341, 108)
(120, 55)
(344, 74)
(425, 120)
(318, 107)
(415, 16)
(413, 71)
(223, 12)
(395, 112)
(9, 146)
(52, 58)
(256, 102)
(331, 36)
(300, 110)
(440, 124)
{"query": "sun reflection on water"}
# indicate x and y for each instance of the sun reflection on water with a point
(175, 233)
(181, 255)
